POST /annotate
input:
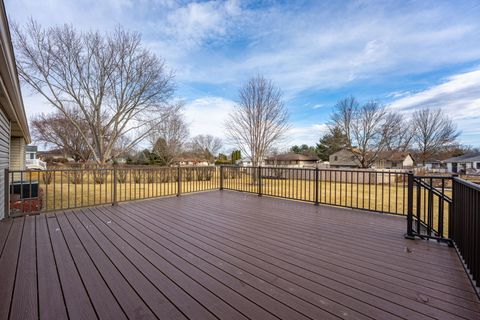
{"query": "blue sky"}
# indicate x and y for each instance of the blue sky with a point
(406, 54)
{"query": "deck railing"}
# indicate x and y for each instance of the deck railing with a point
(429, 206)
(381, 191)
(60, 189)
(465, 225)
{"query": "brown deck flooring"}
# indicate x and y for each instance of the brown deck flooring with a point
(226, 255)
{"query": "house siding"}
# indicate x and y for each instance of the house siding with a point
(17, 154)
(4, 158)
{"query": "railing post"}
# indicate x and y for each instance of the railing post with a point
(260, 181)
(114, 202)
(221, 177)
(179, 181)
(409, 234)
(7, 193)
(316, 186)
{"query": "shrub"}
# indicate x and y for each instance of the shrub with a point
(47, 177)
(137, 176)
(188, 174)
(74, 177)
(151, 176)
(122, 176)
(100, 176)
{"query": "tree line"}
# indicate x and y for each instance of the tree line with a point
(370, 129)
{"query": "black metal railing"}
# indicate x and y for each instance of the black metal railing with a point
(429, 206)
(381, 191)
(50, 190)
(465, 225)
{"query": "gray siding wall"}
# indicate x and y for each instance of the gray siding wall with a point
(4, 158)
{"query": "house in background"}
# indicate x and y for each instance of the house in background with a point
(31, 161)
(31, 152)
(193, 162)
(247, 162)
(14, 133)
(344, 158)
(293, 160)
(466, 164)
(394, 160)
(54, 155)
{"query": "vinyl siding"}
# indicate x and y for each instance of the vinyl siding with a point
(17, 154)
(4, 158)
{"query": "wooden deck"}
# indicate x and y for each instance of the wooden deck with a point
(226, 255)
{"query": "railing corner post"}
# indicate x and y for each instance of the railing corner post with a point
(260, 192)
(410, 234)
(179, 181)
(221, 177)
(115, 181)
(316, 186)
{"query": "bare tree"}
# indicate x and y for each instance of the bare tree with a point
(169, 136)
(398, 132)
(55, 129)
(207, 146)
(342, 116)
(371, 129)
(109, 80)
(434, 132)
(368, 132)
(259, 120)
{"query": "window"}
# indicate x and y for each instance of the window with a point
(478, 165)
(394, 164)
(335, 158)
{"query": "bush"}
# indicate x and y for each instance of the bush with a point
(151, 176)
(122, 176)
(188, 174)
(137, 176)
(47, 177)
(100, 176)
(74, 177)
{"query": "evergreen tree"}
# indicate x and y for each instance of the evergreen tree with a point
(236, 155)
(303, 149)
(331, 142)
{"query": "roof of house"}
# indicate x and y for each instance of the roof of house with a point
(465, 158)
(12, 102)
(293, 157)
(394, 155)
(51, 151)
(31, 148)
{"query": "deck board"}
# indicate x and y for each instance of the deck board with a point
(76, 298)
(8, 266)
(24, 302)
(226, 255)
(48, 278)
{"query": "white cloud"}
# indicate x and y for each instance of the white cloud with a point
(207, 115)
(321, 45)
(305, 134)
(458, 96)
